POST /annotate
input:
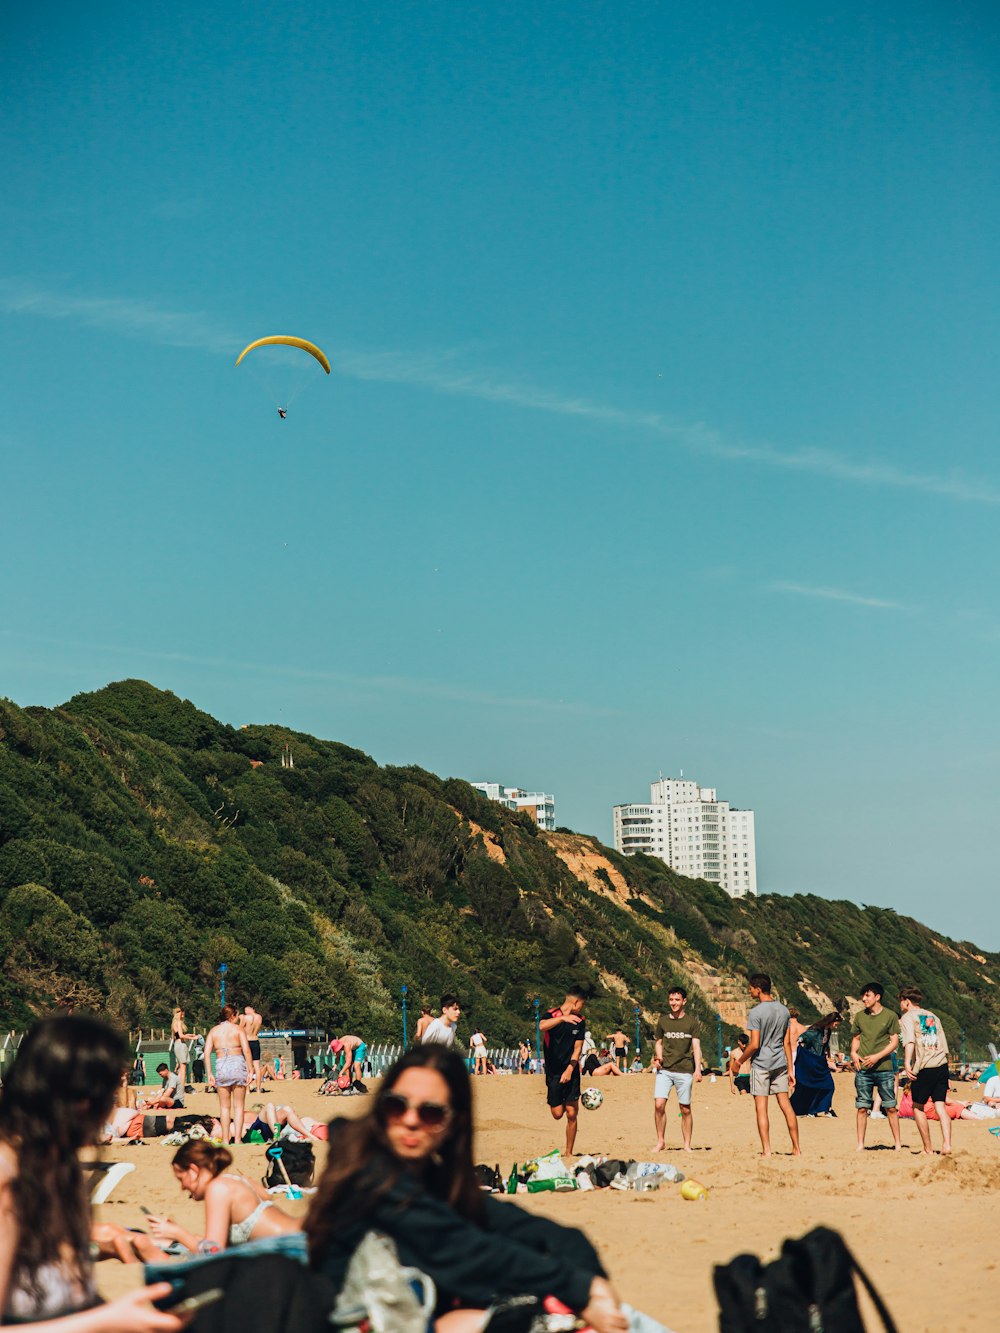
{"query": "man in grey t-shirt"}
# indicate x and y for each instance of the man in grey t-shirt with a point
(171, 1094)
(772, 1071)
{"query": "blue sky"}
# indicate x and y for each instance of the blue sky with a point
(662, 429)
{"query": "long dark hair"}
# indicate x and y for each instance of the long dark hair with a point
(362, 1144)
(59, 1092)
(827, 1023)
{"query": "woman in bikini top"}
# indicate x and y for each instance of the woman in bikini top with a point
(236, 1210)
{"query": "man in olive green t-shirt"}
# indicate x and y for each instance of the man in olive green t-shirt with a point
(874, 1038)
(677, 1061)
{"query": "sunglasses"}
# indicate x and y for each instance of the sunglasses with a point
(432, 1115)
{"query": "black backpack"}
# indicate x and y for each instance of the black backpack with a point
(269, 1293)
(809, 1288)
(289, 1163)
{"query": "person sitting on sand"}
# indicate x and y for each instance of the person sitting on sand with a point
(170, 1095)
(405, 1170)
(597, 1066)
(236, 1210)
(57, 1094)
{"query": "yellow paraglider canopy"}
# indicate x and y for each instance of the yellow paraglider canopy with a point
(284, 340)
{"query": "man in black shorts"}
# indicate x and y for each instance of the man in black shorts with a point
(562, 1034)
(925, 1063)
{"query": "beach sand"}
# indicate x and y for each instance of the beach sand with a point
(925, 1228)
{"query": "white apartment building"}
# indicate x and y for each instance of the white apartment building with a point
(539, 805)
(694, 832)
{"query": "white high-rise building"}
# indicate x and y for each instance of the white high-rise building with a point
(694, 832)
(539, 805)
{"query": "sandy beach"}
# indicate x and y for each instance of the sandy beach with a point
(924, 1228)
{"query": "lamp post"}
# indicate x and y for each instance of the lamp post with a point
(405, 1037)
(637, 1030)
(223, 969)
(538, 1031)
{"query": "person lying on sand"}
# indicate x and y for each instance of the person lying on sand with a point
(236, 1210)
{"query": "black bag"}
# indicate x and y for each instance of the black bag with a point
(809, 1288)
(606, 1172)
(267, 1294)
(297, 1159)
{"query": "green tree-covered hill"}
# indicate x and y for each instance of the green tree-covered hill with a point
(142, 844)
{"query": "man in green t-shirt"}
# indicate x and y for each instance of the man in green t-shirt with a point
(677, 1061)
(874, 1038)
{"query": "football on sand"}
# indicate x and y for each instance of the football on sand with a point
(591, 1098)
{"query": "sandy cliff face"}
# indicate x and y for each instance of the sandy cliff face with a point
(588, 865)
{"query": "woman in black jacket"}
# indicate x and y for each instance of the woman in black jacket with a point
(406, 1170)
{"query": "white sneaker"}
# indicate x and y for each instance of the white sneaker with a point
(878, 1115)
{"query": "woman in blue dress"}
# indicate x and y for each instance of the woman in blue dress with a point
(813, 1093)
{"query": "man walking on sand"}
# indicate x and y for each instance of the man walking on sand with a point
(562, 1032)
(925, 1062)
(874, 1038)
(677, 1061)
(771, 1064)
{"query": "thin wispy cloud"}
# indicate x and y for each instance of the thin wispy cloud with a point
(125, 316)
(836, 595)
(386, 685)
(442, 372)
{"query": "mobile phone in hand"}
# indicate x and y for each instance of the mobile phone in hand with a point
(192, 1304)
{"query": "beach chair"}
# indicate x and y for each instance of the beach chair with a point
(104, 1177)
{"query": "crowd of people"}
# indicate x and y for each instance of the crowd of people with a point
(899, 1062)
(404, 1170)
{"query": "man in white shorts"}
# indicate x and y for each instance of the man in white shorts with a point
(677, 1061)
(771, 1061)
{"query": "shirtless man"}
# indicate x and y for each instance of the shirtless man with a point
(352, 1051)
(251, 1022)
(423, 1023)
(619, 1044)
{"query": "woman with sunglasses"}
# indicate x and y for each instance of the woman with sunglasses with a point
(406, 1170)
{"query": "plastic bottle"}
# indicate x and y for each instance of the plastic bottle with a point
(637, 1170)
(668, 1172)
(647, 1183)
(693, 1190)
(512, 1180)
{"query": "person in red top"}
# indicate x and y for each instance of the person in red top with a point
(562, 1034)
